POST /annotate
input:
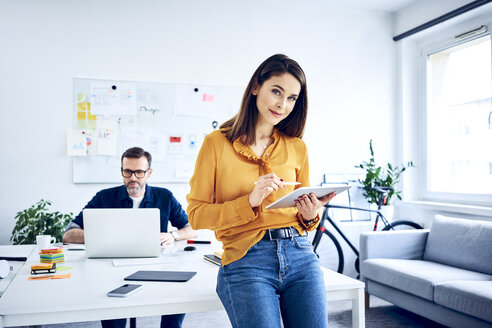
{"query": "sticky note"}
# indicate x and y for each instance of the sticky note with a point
(89, 114)
(81, 116)
(45, 277)
(91, 124)
(174, 139)
(208, 97)
(81, 124)
(50, 276)
(81, 97)
(63, 268)
(61, 276)
(83, 107)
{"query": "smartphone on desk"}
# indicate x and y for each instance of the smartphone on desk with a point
(124, 290)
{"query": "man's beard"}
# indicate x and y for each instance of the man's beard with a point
(134, 189)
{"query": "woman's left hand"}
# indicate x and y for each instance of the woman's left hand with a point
(308, 205)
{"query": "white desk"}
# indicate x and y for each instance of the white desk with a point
(83, 296)
(13, 251)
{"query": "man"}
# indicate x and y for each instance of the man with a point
(135, 193)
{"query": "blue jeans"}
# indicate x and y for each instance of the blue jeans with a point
(167, 321)
(279, 278)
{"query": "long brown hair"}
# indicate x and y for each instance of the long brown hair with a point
(244, 122)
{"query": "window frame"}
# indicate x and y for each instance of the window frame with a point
(429, 44)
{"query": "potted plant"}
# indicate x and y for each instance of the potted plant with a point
(378, 176)
(36, 220)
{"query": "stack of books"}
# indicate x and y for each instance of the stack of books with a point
(215, 258)
(51, 255)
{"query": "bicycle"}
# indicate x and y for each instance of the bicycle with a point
(324, 246)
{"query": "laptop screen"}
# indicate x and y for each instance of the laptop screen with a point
(122, 232)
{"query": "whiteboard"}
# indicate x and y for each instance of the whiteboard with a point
(168, 120)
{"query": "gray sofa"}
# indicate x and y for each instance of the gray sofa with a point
(444, 274)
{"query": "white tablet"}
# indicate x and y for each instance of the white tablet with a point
(320, 192)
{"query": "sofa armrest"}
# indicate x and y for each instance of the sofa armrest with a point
(400, 244)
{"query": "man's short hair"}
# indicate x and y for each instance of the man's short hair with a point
(136, 152)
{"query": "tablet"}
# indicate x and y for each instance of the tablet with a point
(175, 276)
(320, 192)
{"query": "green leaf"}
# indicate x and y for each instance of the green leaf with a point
(38, 220)
(376, 175)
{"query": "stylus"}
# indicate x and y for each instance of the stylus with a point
(289, 183)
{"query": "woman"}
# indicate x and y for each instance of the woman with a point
(267, 262)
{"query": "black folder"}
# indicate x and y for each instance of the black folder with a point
(175, 276)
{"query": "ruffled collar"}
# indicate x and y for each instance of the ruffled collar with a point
(247, 152)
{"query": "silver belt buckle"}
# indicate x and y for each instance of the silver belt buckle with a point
(270, 233)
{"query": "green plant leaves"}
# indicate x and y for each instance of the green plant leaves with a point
(37, 220)
(375, 178)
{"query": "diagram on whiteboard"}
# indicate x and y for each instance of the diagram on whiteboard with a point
(168, 120)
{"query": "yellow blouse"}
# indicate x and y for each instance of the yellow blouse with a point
(224, 176)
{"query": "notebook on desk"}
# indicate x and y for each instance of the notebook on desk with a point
(122, 232)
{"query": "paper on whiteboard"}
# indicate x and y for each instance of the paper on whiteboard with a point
(149, 109)
(154, 142)
(184, 166)
(113, 99)
(106, 142)
(195, 100)
(76, 143)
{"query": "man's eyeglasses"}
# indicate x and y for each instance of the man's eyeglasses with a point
(138, 173)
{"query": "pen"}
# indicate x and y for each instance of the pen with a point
(199, 242)
(289, 183)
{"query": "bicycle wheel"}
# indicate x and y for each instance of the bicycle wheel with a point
(330, 252)
(402, 225)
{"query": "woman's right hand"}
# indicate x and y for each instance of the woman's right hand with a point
(263, 187)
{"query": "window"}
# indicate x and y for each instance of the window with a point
(458, 127)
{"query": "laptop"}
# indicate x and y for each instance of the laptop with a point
(122, 232)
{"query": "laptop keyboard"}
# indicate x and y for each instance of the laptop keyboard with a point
(143, 261)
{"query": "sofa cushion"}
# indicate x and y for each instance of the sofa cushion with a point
(470, 297)
(461, 243)
(414, 276)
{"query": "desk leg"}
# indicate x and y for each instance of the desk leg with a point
(358, 313)
(133, 322)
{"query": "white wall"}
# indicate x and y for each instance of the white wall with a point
(347, 54)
